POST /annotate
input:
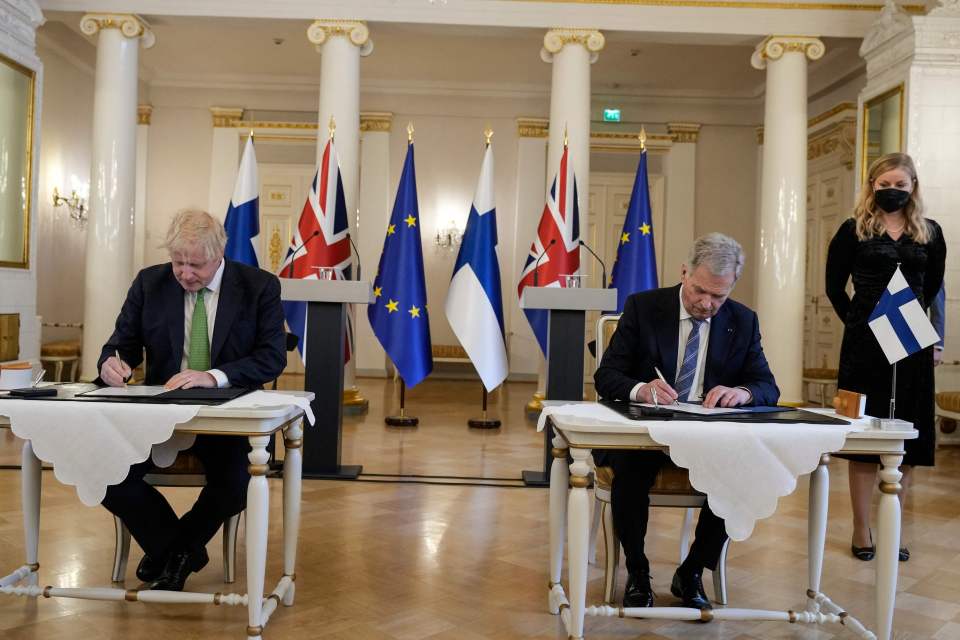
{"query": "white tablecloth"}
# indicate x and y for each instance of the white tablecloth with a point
(744, 468)
(92, 445)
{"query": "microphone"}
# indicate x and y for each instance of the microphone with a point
(536, 264)
(603, 267)
(356, 253)
(293, 256)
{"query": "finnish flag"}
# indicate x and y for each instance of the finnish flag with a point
(474, 303)
(243, 216)
(899, 322)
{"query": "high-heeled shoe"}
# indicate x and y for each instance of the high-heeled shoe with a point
(864, 553)
(904, 554)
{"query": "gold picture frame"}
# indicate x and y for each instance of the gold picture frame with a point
(17, 104)
(882, 127)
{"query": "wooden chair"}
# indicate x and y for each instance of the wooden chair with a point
(59, 354)
(823, 378)
(671, 489)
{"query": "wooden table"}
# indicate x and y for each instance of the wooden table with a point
(570, 510)
(258, 425)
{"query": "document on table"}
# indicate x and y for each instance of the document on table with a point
(128, 391)
(693, 408)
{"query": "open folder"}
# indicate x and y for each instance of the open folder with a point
(159, 395)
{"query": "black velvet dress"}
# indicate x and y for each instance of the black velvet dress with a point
(863, 367)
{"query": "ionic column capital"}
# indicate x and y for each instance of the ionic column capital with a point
(773, 48)
(355, 31)
(556, 39)
(144, 111)
(130, 25)
(683, 131)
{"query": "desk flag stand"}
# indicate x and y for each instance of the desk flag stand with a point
(484, 422)
(402, 420)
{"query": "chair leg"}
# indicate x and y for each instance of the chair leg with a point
(121, 551)
(685, 533)
(612, 546)
(720, 576)
(594, 527)
(230, 548)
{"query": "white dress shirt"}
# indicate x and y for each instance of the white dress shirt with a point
(210, 301)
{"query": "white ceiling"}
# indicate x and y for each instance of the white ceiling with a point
(208, 51)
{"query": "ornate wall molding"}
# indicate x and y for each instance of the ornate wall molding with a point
(144, 111)
(130, 25)
(840, 138)
(374, 121)
(774, 48)
(356, 31)
(19, 20)
(556, 39)
(533, 127)
(226, 116)
(683, 131)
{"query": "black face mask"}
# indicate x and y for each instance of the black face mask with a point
(891, 199)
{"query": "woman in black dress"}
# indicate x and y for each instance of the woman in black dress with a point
(887, 228)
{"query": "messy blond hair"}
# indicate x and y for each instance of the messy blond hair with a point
(869, 216)
(195, 227)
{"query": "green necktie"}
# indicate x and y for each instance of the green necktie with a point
(198, 358)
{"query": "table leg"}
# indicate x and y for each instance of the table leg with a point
(30, 498)
(888, 543)
(258, 513)
(559, 482)
(578, 532)
(817, 525)
(292, 485)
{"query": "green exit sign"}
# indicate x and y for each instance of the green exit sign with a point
(611, 115)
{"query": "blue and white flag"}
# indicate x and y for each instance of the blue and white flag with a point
(899, 323)
(243, 215)
(474, 302)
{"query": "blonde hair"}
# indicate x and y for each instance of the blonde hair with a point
(869, 216)
(196, 227)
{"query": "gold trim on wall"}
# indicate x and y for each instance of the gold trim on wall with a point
(144, 111)
(683, 131)
(915, 9)
(826, 115)
(759, 131)
(226, 116)
(533, 127)
(24, 263)
(374, 121)
(865, 117)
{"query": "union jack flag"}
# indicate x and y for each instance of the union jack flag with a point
(319, 240)
(560, 223)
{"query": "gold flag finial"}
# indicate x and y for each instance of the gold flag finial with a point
(409, 132)
(487, 134)
(332, 126)
(643, 138)
(565, 136)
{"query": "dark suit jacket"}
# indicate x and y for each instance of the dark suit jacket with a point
(248, 335)
(647, 335)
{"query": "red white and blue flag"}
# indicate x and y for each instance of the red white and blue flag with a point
(559, 224)
(319, 240)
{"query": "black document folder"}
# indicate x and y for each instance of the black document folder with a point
(197, 395)
(783, 415)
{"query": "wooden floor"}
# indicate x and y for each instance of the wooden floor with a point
(400, 561)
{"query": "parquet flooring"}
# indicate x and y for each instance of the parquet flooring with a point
(398, 561)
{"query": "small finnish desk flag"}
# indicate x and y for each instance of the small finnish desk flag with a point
(899, 322)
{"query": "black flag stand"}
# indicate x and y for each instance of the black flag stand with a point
(402, 420)
(484, 422)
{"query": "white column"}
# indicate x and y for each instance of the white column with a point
(341, 43)
(680, 216)
(783, 205)
(224, 158)
(110, 229)
(144, 112)
(525, 356)
(371, 227)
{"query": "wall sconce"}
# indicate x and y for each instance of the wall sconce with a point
(75, 204)
(449, 238)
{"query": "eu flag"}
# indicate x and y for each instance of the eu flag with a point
(398, 314)
(636, 266)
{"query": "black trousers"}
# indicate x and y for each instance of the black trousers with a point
(634, 475)
(153, 523)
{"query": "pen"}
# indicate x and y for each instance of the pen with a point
(116, 352)
(664, 380)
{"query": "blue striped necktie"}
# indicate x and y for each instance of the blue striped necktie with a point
(689, 365)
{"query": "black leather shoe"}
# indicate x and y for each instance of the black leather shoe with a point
(178, 568)
(864, 553)
(689, 588)
(150, 568)
(638, 592)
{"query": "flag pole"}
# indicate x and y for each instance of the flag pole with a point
(402, 420)
(484, 422)
(893, 392)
